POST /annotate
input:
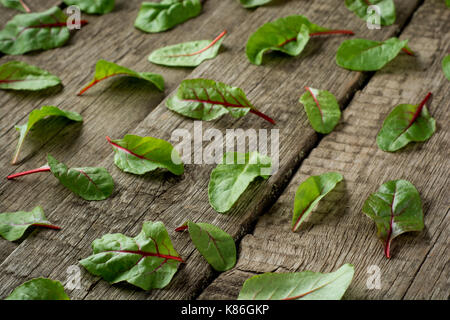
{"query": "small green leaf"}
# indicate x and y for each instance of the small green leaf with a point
(89, 183)
(309, 193)
(34, 31)
(406, 123)
(105, 69)
(187, 54)
(215, 245)
(368, 55)
(288, 35)
(39, 115)
(305, 285)
(208, 100)
(446, 66)
(322, 109)
(147, 260)
(230, 179)
(139, 155)
(15, 4)
(17, 75)
(253, 3)
(93, 7)
(14, 224)
(447, 2)
(39, 289)
(396, 208)
(158, 17)
(386, 7)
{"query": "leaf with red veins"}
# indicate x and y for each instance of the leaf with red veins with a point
(322, 109)
(17, 75)
(16, 4)
(35, 31)
(209, 100)
(405, 124)
(148, 260)
(187, 54)
(14, 224)
(306, 285)
(396, 208)
(105, 69)
(385, 15)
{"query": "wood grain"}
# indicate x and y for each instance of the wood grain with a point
(338, 232)
(160, 196)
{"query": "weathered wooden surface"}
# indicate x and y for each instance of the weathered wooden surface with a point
(338, 232)
(160, 196)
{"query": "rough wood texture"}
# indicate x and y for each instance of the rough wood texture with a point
(338, 232)
(160, 196)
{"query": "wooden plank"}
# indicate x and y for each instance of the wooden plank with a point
(111, 108)
(338, 232)
(172, 200)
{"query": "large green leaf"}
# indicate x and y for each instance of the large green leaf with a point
(230, 179)
(147, 260)
(14, 224)
(387, 10)
(105, 69)
(396, 208)
(253, 3)
(288, 35)
(322, 109)
(187, 54)
(157, 17)
(17, 75)
(39, 289)
(34, 31)
(93, 6)
(208, 100)
(446, 66)
(139, 155)
(309, 193)
(215, 245)
(368, 55)
(89, 183)
(406, 123)
(305, 285)
(39, 115)
(16, 4)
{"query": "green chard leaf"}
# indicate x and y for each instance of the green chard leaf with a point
(14, 224)
(305, 285)
(253, 3)
(230, 179)
(35, 31)
(208, 100)
(17, 75)
(215, 245)
(396, 208)
(446, 66)
(139, 155)
(157, 17)
(148, 260)
(406, 123)
(187, 54)
(89, 183)
(322, 109)
(309, 193)
(16, 4)
(368, 55)
(39, 289)
(93, 7)
(360, 8)
(39, 115)
(288, 35)
(105, 69)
